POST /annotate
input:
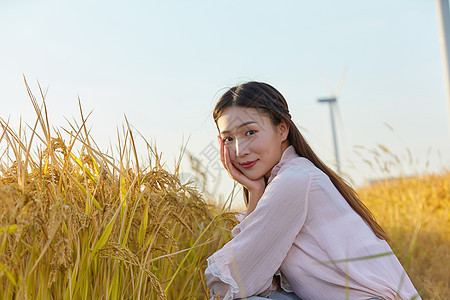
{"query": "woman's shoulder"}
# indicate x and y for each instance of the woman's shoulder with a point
(296, 170)
(300, 165)
(300, 171)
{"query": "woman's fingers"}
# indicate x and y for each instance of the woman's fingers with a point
(228, 164)
(221, 146)
(226, 159)
(232, 170)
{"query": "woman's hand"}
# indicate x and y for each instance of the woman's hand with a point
(253, 186)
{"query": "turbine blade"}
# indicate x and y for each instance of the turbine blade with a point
(327, 83)
(341, 83)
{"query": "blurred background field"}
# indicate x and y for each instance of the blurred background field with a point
(415, 213)
(78, 222)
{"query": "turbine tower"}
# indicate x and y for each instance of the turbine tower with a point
(332, 102)
(444, 28)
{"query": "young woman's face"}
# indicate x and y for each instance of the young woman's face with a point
(254, 143)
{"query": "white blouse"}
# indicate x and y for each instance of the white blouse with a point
(305, 232)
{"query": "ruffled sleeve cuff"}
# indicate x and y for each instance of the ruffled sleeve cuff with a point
(240, 216)
(285, 286)
(218, 276)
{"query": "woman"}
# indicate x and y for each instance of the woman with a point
(305, 234)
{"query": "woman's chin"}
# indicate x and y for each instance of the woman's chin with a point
(253, 175)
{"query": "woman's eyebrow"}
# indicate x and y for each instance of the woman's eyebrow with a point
(242, 125)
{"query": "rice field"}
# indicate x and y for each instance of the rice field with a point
(77, 222)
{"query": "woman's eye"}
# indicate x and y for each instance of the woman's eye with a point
(251, 132)
(227, 139)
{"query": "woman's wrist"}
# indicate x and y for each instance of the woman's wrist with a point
(253, 199)
(257, 187)
(254, 195)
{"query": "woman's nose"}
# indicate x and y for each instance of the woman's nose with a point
(241, 148)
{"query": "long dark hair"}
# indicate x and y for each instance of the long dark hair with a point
(267, 100)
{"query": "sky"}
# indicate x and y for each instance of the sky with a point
(164, 65)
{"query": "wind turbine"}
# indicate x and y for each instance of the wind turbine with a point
(332, 102)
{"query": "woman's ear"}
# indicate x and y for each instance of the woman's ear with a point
(283, 129)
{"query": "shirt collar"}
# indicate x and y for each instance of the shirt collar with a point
(287, 155)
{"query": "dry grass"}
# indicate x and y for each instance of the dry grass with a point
(419, 203)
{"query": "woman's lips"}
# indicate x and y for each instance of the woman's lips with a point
(248, 164)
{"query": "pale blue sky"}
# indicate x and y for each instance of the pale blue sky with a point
(164, 64)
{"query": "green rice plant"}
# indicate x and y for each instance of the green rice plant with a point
(79, 223)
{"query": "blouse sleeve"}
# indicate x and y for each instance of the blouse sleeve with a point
(245, 266)
(240, 216)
